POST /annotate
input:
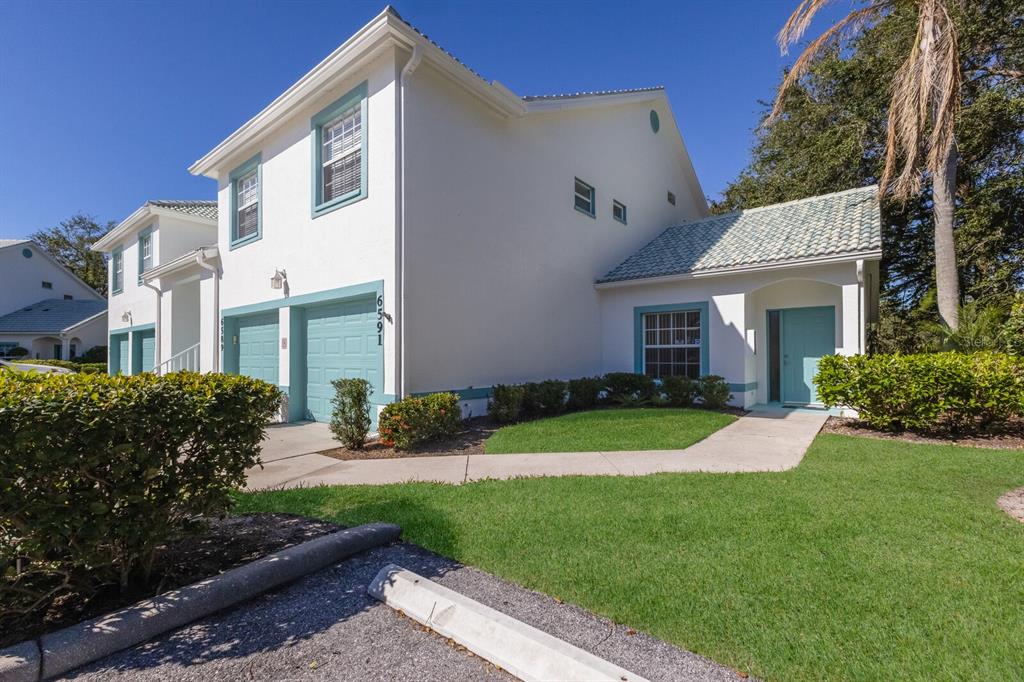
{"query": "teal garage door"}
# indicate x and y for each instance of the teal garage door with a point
(808, 334)
(257, 344)
(143, 351)
(118, 353)
(341, 341)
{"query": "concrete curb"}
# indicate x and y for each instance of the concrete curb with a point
(522, 650)
(70, 648)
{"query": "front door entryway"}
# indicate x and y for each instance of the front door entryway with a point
(798, 338)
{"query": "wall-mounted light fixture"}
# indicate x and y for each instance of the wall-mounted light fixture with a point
(279, 279)
(126, 316)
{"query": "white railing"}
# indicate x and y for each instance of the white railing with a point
(187, 360)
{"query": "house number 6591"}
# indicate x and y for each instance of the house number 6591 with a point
(380, 320)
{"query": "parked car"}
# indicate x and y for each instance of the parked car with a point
(29, 367)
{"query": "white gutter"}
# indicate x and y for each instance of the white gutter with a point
(741, 269)
(410, 66)
(201, 260)
(157, 341)
(861, 315)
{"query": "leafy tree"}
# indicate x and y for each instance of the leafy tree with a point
(69, 243)
(830, 133)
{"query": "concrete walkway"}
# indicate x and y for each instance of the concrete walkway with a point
(762, 440)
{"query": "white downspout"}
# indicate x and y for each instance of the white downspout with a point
(861, 315)
(157, 338)
(407, 71)
(203, 263)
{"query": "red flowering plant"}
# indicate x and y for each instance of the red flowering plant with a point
(414, 420)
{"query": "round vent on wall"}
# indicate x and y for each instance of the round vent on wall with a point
(27, 253)
(655, 122)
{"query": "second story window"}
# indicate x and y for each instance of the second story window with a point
(339, 152)
(246, 198)
(47, 285)
(117, 271)
(619, 211)
(583, 198)
(145, 251)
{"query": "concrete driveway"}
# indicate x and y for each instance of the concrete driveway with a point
(326, 627)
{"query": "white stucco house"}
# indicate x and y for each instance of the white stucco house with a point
(44, 307)
(394, 216)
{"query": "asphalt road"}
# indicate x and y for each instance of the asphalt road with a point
(326, 627)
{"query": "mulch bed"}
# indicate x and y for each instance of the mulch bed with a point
(1008, 439)
(227, 543)
(469, 441)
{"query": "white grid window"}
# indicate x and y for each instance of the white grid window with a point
(672, 344)
(146, 249)
(583, 197)
(619, 211)
(341, 155)
(117, 268)
(248, 205)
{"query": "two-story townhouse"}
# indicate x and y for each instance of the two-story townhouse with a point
(394, 216)
(156, 273)
(45, 308)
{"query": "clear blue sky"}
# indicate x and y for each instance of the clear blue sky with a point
(104, 105)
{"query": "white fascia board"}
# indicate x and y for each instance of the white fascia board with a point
(383, 31)
(741, 269)
(182, 262)
(87, 320)
(142, 215)
(591, 101)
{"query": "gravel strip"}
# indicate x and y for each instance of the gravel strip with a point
(325, 626)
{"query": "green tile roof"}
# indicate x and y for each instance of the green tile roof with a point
(828, 225)
(50, 316)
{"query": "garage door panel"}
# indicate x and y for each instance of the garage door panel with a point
(338, 345)
(258, 340)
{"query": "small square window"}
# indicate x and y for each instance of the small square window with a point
(47, 285)
(583, 198)
(619, 211)
(68, 297)
(672, 198)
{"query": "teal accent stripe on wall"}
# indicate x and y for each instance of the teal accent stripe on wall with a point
(743, 388)
(364, 288)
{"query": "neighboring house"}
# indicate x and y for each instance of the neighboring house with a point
(159, 260)
(396, 217)
(31, 277)
(55, 329)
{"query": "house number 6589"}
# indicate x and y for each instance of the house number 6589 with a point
(380, 320)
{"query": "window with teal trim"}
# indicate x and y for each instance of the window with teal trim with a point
(145, 251)
(117, 271)
(339, 152)
(246, 202)
(583, 197)
(672, 344)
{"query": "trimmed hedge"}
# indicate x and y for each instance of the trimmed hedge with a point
(956, 392)
(350, 419)
(411, 421)
(513, 402)
(73, 365)
(97, 471)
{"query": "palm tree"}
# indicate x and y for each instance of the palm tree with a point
(922, 115)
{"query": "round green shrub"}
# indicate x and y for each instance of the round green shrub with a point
(506, 403)
(415, 420)
(714, 391)
(680, 391)
(583, 393)
(627, 386)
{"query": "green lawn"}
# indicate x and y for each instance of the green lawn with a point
(872, 560)
(597, 430)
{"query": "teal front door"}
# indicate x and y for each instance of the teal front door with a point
(341, 341)
(256, 344)
(118, 353)
(808, 334)
(143, 351)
